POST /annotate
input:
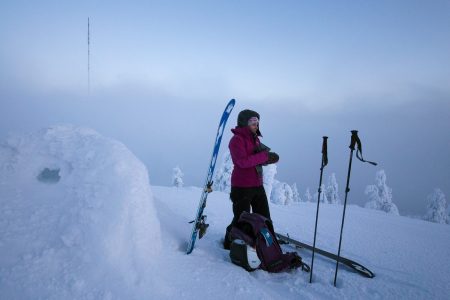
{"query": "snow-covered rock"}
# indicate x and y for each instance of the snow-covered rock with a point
(77, 219)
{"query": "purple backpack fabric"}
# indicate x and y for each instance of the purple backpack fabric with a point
(257, 231)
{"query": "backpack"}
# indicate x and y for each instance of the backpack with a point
(255, 231)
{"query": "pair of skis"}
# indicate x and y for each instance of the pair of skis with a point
(199, 223)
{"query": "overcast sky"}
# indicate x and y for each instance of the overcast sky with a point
(161, 74)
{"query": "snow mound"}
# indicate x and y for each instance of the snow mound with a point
(77, 218)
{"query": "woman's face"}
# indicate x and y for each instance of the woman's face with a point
(253, 124)
(253, 127)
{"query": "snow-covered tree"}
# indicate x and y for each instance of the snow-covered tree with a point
(448, 213)
(307, 196)
(177, 177)
(296, 194)
(276, 191)
(269, 173)
(323, 195)
(281, 193)
(437, 208)
(332, 190)
(380, 195)
(222, 181)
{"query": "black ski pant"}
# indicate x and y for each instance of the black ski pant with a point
(243, 199)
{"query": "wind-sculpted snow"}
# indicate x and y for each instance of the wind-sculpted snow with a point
(77, 218)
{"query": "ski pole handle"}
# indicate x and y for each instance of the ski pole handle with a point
(324, 151)
(354, 139)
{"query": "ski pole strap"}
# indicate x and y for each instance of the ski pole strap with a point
(324, 151)
(356, 141)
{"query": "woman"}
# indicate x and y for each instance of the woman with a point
(248, 155)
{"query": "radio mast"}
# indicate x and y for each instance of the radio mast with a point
(88, 62)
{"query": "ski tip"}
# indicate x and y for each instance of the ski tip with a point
(230, 106)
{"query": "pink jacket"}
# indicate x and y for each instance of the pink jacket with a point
(242, 147)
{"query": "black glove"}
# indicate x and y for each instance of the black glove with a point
(261, 147)
(273, 158)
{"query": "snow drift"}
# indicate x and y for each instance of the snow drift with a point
(77, 218)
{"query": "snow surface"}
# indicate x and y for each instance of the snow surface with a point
(97, 230)
(86, 231)
(411, 258)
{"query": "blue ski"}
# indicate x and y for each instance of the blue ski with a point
(199, 224)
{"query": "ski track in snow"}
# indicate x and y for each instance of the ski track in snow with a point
(409, 257)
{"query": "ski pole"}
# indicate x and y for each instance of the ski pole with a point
(322, 165)
(354, 141)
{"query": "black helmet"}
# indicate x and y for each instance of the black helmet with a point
(246, 115)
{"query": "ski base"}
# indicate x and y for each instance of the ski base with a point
(345, 261)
